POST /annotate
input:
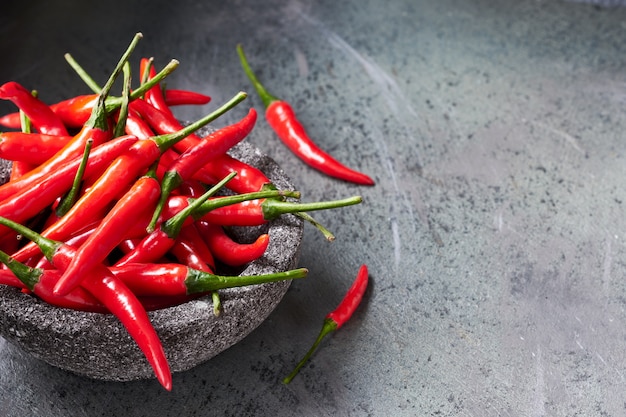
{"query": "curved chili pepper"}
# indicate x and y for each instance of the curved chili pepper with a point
(281, 117)
(113, 294)
(40, 114)
(112, 230)
(173, 279)
(228, 251)
(249, 179)
(32, 148)
(338, 317)
(174, 97)
(154, 95)
(190, 161)
(120, 174)
(27, 202)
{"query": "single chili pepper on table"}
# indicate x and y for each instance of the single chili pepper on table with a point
(281, 117)
(338, 317)
(113, 294)
(190, 161)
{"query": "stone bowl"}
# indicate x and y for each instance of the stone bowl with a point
(98, 346)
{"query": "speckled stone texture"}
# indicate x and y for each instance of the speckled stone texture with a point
(98, 346)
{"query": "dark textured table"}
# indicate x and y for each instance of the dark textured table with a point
(495, 235)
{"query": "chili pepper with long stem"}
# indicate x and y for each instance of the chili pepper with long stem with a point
(27, 202)
(338, 317)
(41, 281)
(172, 279)
(282, 118)
(189, 162)
(258, 212)
(40, 114)
(96, 128)
(122, 113)
(113, 294)
(120, 174)
(228, 251)
(112, 230)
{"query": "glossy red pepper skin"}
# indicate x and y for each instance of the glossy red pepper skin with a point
(154, 95)
(78, 299)
(191, 243)
(228, 251)
(32, 148)
(174, 97)
(29, 201)
(73, 149)
(281, 117)
(338, 317)
(112, 230)
(39, 113)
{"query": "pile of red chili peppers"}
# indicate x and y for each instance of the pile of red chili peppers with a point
(113, 206)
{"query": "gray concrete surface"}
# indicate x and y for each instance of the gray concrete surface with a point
(494, 236)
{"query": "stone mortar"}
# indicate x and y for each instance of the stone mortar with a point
(98, 346)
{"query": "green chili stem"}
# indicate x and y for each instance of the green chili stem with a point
(70, 198)
(29, 276)
(47, 246)
(166, 141)
(307, 217)
(266, 97)
(87, 79)
(123, 113)
(99, 114)
(200, 281)
(328, 327)
(172, 226)
(217, 304)
(273, 208)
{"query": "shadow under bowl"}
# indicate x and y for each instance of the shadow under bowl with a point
(98, 346)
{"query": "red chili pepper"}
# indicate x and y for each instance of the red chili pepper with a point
(113, 294)
(112, 230)
(249, 179)
(173, 279)
(174, 97)
(281, 117)
(193, 245)
(190, 161)
(260, 211)
(27, 202)
(32, 148)
(154, 95)
(41, 281)
(228, 251)
(39, 113)
(338, 317)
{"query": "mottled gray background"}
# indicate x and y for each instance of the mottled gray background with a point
(495, 235)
